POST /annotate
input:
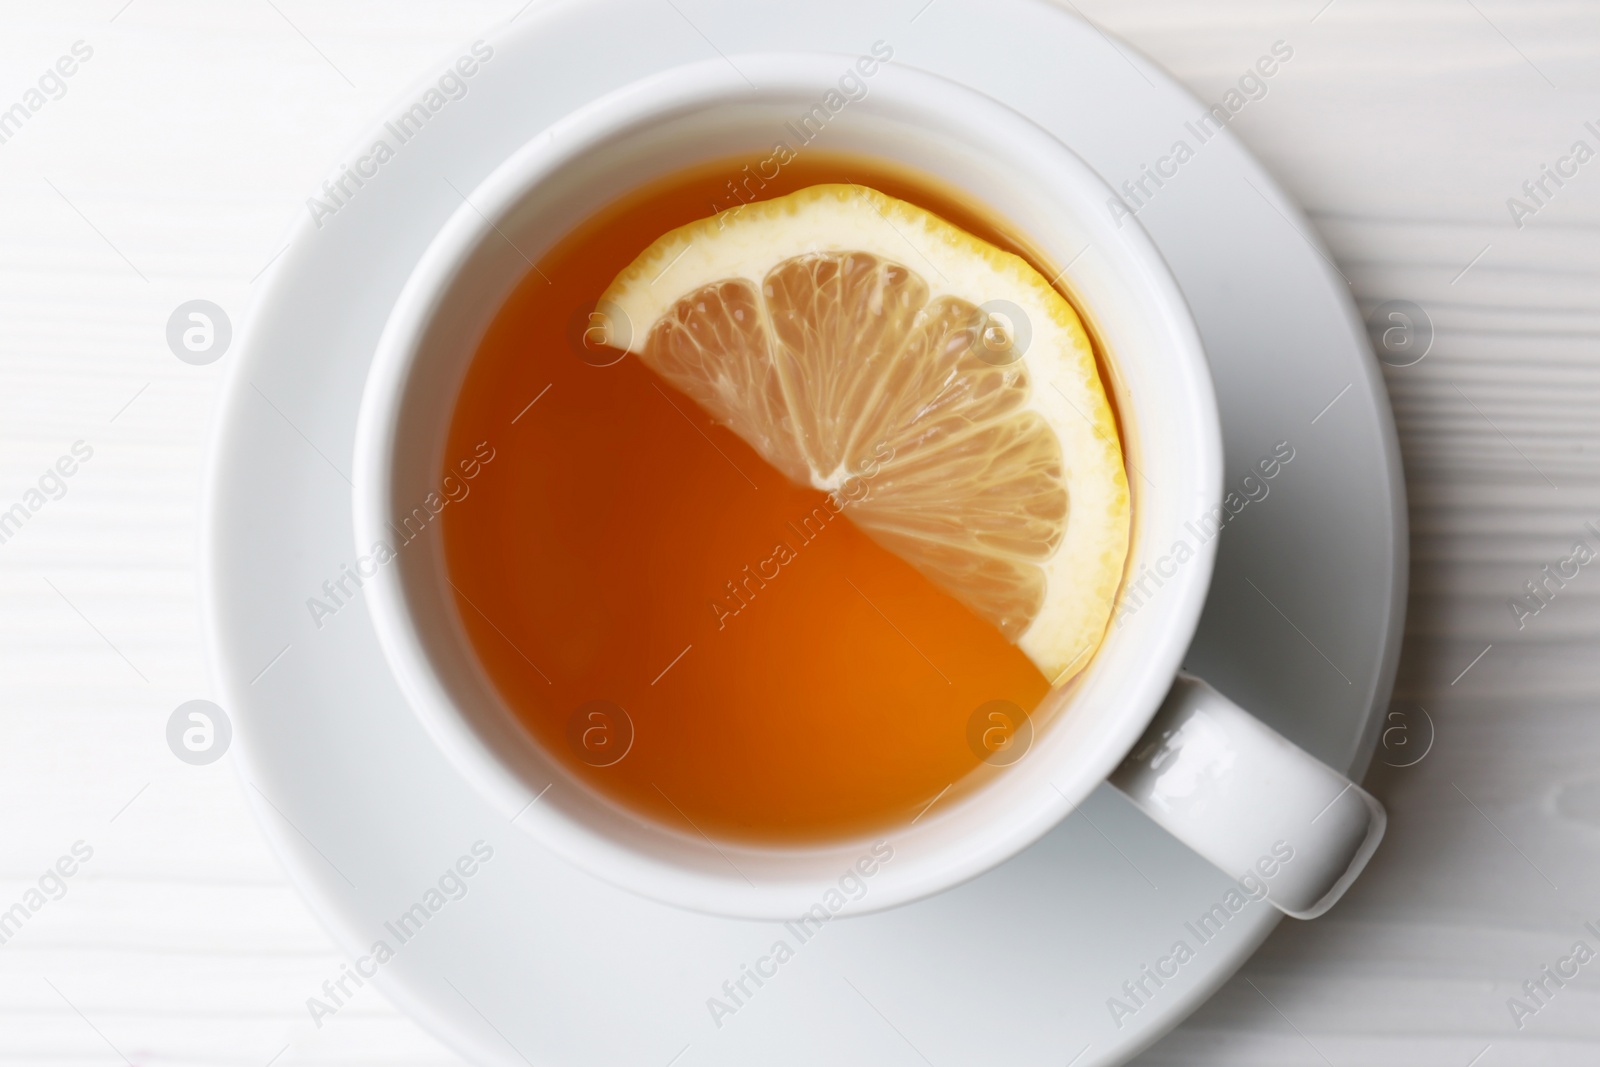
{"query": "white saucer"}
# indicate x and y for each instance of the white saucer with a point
(541, 964)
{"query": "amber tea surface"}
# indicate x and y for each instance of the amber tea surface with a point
(699, 639)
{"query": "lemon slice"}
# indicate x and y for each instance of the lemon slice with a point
(940, 387)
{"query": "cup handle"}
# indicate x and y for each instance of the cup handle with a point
(1250, 801)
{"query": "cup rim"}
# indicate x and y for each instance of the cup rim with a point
(400, 348)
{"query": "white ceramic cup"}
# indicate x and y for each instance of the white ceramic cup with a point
(1222, 782)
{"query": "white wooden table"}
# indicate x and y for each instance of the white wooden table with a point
(166, 168)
